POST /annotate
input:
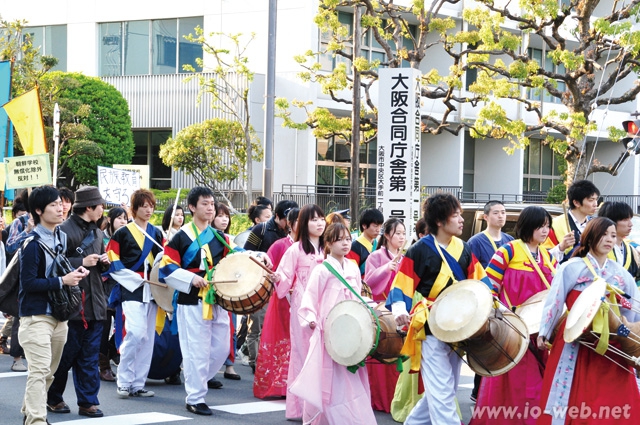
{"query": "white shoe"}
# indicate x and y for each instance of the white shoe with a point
(18, 366)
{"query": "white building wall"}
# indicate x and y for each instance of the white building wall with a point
(495, 171)
(441, 160)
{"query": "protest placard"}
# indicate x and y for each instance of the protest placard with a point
(27, 171)
(116, 186)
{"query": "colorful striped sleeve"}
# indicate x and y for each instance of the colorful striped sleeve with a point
(170, 262)
(113, 253)
(404, 285)
(498, 265)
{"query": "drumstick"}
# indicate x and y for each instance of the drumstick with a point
(216, 282)
(162, 285)
(265, 268)
(566, 215)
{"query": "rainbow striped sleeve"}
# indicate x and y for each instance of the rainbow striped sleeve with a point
(113, 252)
(498, 265)
(475, 271)
(170, 262)
(404, 284)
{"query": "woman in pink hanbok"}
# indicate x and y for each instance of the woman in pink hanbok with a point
(332, 394)
(380, 269)
(291, 279)
(272, 363)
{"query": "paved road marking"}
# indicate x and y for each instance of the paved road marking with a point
(465, 386)
(132, 419)
(251, 408)
(12, 374)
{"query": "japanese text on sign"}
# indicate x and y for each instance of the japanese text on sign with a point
(116, 186)
(27, 171)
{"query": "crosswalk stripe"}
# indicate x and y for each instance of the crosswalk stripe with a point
(252, 408)
(132, 419)
(12, 374)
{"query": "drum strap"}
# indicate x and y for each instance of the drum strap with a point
(208, 293)
(355, 367)
(493, 243)
(601, 319)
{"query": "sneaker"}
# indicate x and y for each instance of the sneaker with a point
(473, 398)
(142, 393)
(123, 392)
(18, 366)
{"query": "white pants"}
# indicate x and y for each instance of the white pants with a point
(136, 349)
(440, 370)
(205, 346)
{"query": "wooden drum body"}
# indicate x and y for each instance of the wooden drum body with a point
(244, 287)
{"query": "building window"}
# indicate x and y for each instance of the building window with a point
(541, 169)
(333, 163)
(468, 173)
(548, 65)
(52, 41)
(147, 152)
(148, 47)
(369, 48)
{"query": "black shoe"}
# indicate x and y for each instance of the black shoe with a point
(232, 376)
(173, 379)
(214, 384)
(199, 409)
(253, 369)
(61, 407)
(91, 412)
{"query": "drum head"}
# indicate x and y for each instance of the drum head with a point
(584, 310)
(518, 337)
(163, 296)
(531, 311)
(460, 311)
(349, 332)
(238, 267)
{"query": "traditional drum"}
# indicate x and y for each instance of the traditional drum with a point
(531, 311)
(162, 295)
(241, 285)
(350, 334)
(464, 315)
(579, 325)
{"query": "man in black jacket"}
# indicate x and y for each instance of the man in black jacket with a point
(85, 247)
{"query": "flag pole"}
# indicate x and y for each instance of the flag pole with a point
(56, 142)
(7, 138)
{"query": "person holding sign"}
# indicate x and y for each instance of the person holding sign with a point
(131, 251)
(188, 265)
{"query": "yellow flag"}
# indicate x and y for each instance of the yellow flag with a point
(26, 115)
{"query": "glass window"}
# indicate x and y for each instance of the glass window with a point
(547, 161)
(325, 175)
(343, 151)
(373, 151)
(534, 160)
(342, 176)
(165, 46)
(322, 146)
(110, 49)
(141, 152)
(136, 47)
(188, 51)
(56, 45)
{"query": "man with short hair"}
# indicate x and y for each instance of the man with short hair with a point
(623, 252)
(131, 251)
(42, 336)
(434, 263)
(486, 243)
(371, 221)
(187, 265)
(85, 247)
(566, 229)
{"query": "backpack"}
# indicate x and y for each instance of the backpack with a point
(10, 283)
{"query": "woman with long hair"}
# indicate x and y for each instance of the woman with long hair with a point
(332, 394)
(380, 269)
(291, 278)
(519, 270)
(577, 378)
(170, 228)
(272, 363)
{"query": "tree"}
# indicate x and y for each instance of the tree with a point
(95, 123)
(229, 89)
(96, 126)
(585, 72)
(214, 152)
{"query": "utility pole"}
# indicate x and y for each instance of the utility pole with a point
(267, 175)
(354, 187)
